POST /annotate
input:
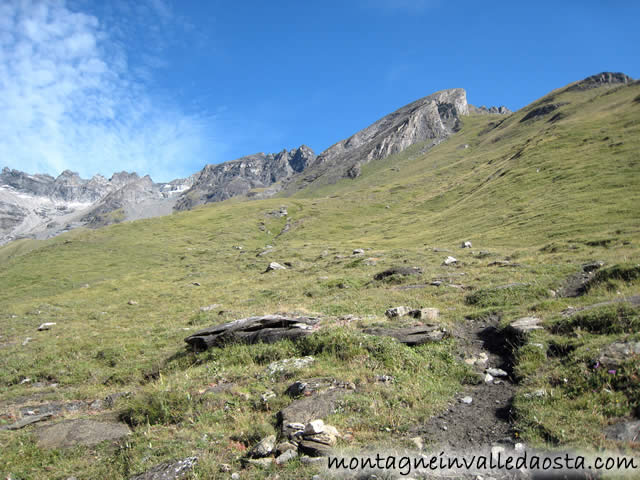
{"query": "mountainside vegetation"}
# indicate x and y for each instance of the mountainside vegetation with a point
(541, 194)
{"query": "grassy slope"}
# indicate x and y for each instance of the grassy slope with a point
(538, 192)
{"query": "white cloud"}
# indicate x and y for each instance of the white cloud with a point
(70, 99)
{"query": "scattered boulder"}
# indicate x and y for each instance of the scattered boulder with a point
(69, 433)
(46, 326)
(132, 302)
(403, 271)
(289, 365)
(617, 353)
(449, 260)
(286, 456)
(410, 336)
(267, 329)
(466, 244)
(417, 313)
(625, 431)
(358, 252)
(497, 372)
(171, 470)
(275, 266)
(397, 312)
(264, 448)
(466, 400)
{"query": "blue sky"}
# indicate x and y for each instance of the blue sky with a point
(164, 87)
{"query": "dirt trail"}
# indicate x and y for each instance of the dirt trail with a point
(487, 420)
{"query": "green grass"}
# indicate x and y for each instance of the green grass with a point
(548, 196)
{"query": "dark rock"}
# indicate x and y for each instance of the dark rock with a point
(404, 271)
(315, 449)
(267, 329)
(592, 266)
(172, 470)
(625, 431)
(541, 111)
(69, 433)
(410, 336)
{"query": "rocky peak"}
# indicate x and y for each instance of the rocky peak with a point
(601, 80)
(434, 118)
(257, 172)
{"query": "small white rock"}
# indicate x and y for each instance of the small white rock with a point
(46, 326)
(466, 400)
(449, 260)
(314, 427)
(497, 372)
(488, 378)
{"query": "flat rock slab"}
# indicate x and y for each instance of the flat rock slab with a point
(69, 433)
(525, 325)
(624, 431)
(168, 470)
(266, 329)
(410, 336)
(307, 409)
(28, 420)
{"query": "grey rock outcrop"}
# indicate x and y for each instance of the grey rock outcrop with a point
(601, 80)
(434, 117)
(258, 172)
(482, 110)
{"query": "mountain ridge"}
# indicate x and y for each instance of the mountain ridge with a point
(56, 204)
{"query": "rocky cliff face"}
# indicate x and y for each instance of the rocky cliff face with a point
(255, 174)
(431, 118)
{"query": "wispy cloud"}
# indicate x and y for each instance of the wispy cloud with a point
(71, 98)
